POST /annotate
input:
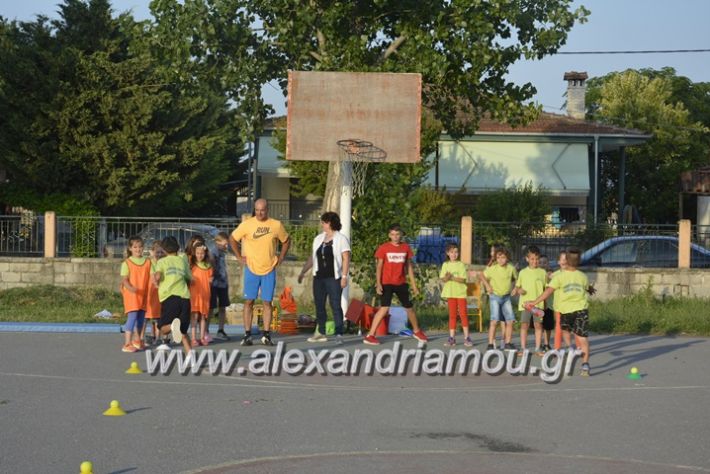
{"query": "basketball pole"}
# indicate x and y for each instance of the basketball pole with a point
(346, 208)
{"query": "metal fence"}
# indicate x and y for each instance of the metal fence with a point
(551, 239)
(89, 236)
(22, 235)
(92, 236)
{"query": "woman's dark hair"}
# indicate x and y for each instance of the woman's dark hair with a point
(333, 219)
(170, 244)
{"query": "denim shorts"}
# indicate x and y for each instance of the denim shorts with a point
(253, 283)
(501, 303)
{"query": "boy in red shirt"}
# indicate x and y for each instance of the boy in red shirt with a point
(394, 258)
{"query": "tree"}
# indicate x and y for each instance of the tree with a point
(654, 102)
(462, 49)
(96, 107)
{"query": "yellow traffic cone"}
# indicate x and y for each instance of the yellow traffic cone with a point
(115, 409)
(86, 468)
(134, 369)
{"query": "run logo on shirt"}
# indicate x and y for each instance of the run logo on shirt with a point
(396, 257)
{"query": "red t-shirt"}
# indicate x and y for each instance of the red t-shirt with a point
(395, 259)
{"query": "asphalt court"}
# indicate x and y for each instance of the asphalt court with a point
(54, 388)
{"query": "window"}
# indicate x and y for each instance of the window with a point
(623, 253)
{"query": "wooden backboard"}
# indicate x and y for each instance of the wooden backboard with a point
(381, 108)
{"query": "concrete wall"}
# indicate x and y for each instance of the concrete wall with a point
(104, 272)
(610, 283)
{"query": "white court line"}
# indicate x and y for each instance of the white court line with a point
(507, 388)
(293, 457)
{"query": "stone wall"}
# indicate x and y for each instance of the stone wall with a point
(609, 282)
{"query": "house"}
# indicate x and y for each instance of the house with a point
(559, 152)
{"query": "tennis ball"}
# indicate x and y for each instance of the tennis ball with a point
(634, 370)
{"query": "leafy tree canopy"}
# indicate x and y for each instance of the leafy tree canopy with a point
(676, 112)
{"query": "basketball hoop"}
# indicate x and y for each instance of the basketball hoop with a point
(359, 153)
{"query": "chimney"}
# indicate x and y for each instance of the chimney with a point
(576, 89)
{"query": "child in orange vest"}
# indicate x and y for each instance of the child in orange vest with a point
(152, 312)
(200, 291)
(135, 274)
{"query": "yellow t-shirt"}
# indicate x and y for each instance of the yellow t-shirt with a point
(453, 289)
(176, 276)
(570, 291)
(501, 278)
(532, 280)
(259, 240)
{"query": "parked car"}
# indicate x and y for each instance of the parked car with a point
(158, 231)
(651, 251)
(429, 245)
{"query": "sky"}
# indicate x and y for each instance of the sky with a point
(614, 25)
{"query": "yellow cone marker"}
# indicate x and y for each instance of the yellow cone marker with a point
(86, 468)
(134, 369)
(634, 374)
(115, 409)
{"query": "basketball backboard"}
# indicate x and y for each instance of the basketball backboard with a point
(383, 109)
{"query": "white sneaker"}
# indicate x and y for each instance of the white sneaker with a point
(339, 340)
(163, 347)
(317, 337)
(175, 330)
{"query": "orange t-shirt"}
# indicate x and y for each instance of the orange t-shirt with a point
(152, 310)
(139, 277)
(200, 289)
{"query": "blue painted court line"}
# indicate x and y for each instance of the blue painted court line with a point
(95, 328)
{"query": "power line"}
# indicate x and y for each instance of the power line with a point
(652, 51)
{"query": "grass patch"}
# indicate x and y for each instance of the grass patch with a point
(54, 304)
(642, 313)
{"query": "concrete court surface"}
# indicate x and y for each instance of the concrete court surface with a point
(54, 388)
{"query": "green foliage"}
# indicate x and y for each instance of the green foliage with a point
(435, 207)
(301, 237)
(659, 103)
(99, 108)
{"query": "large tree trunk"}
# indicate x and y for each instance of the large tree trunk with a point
(331, 200)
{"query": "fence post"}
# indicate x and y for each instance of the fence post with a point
(684, 243)
(466, 239)
(50, 234)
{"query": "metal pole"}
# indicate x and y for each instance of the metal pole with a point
(596, 177)
(622, 181)
(346, 204)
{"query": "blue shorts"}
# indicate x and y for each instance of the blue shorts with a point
(501, 304)
(253, 282)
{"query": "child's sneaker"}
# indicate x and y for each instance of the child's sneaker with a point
(371, 340)
(540, 351)
(223, 334)
(266, 340)
(468, 342)
(205, 341)
(317, 337)
(163, 347)
(509, 347)
(139, 345)
(149, 340)
(490, 347)
(175, 330)
(339, 340)
(450, 342)
(129, 348)
(420, 336)
(585, 370)
(246, 341)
